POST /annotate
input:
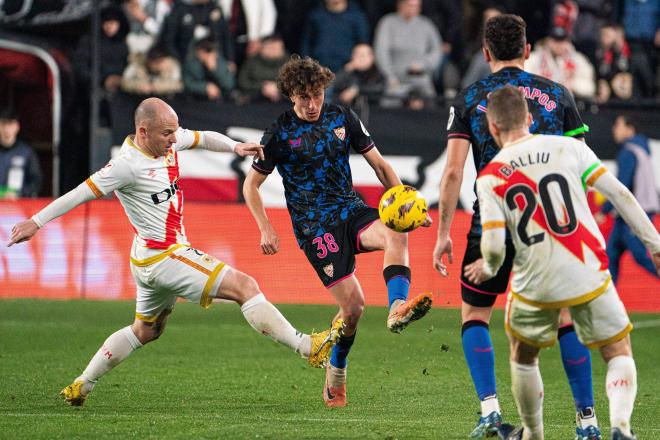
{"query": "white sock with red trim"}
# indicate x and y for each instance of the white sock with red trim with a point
(267, 320)
(114, 350)
(527, 388)
(621, 387)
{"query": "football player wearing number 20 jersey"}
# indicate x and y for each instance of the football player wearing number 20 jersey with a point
(536, 188)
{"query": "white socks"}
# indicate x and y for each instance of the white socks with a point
(527, 388)
(115, 349)
(621, 387)
(267, 320)
(490, 404)
(336, 376)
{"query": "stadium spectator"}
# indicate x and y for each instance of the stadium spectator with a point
(290, 15)
(613, 65)
(145, 19)
(641, 22)
(331, 31)
(548, 270)
(257, 79)
(555, 58)
(360, 80)
(194, 20)
(408, 50)
(478, 67)
(153, 73)
(113, 50)
(593, 15)
(310, 144)
(144, 177)
(206, 73)
(554, 112)
(249, 21)
(20, 173)
(635, 171)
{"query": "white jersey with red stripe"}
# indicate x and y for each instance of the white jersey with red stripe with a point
(148, 189)
(536, 187)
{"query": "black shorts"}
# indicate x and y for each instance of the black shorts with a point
(485, 294)
(332, 254)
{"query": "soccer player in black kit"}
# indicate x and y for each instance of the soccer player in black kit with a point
(310, 145)
(554, 112)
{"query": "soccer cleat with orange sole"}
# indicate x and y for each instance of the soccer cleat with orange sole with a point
(403, 313)
(73, 394)
(334, 397)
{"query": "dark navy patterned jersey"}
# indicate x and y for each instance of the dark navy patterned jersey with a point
(312, 158)
(551, 105)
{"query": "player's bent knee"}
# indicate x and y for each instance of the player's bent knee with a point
(618, 348)
(522, 353)
(240, 287)
(397, 240)
(473, 313)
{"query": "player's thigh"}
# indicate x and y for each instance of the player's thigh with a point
(601, 321)
(367, 233)
(332, 255)
(190, 274)
(530, 324)
(150, 301)
(237, 286)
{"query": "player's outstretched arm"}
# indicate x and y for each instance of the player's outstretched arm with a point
(270, 243)
(25, 230)
(214, 141)
(384, 171)
(450, 187)
(628, 207)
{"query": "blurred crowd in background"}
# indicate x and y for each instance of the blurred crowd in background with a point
(388, 52)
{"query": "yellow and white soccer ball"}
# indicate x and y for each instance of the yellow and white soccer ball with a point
(402, 208)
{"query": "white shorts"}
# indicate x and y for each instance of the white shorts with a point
(185, 272)
(599, 322)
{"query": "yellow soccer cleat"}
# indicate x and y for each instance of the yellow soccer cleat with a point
(73, 394)
(323, 342)
(403, 313)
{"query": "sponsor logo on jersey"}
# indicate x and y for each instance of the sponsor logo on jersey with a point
(329, 270)
(340, 132)
(295, 143)
(152, 173)
(166, 194)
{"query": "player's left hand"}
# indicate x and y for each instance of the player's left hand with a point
(22, 231)
(250, 149)
(475, 272)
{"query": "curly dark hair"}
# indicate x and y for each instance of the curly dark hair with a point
(505, 37)
(301, 74)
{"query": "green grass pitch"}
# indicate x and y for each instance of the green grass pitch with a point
(212, 376)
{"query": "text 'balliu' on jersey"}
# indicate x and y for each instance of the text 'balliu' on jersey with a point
(149, 192)
(536, 187)
(312, 158)
(551, 105)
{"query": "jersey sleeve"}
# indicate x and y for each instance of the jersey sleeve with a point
(268, 140)
(361, 141)
(458, 124)
(186, 139)
(590, 167)
(573, 125)
(491, 209)
(115, 175)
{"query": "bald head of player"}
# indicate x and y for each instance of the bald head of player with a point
(505, 42)
(508, 117)
(155, 126)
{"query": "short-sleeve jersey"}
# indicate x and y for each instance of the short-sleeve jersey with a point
(536, 187)
(551, 105)
(312, 158)
(149, 192)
